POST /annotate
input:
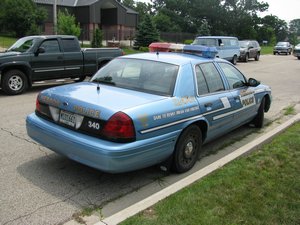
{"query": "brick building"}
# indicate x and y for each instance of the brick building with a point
(115, 20)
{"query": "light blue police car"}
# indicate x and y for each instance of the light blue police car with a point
(144, 109)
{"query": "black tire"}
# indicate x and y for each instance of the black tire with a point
(187, 149)
(257, 56)
(14, 82)
(258, 121)
(246, 57)
(234, 60)
(298, 57)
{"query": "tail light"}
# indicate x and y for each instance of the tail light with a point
(37, 105)
(119, 128)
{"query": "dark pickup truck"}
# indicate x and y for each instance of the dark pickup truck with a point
(39, 58)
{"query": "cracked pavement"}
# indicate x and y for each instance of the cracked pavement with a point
(41, 187)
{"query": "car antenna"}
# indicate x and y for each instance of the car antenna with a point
(98, 86)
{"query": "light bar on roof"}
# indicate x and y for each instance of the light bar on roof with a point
(200, 50)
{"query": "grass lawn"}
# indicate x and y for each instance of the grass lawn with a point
(262, 188)
(6, 42)
(265, 50)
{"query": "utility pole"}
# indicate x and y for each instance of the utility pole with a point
(55, 17)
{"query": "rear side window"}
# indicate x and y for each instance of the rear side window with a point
(201, 82)
(51, 46)
(70, 45)
(211, 76)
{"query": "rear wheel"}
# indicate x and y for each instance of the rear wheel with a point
(187, 149)
(298, 57)
(14, 82)
(258, 121)
(257, 56)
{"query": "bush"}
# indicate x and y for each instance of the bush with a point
(97, 38)
(188, 42)
(144, 49)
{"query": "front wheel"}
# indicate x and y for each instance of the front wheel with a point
(187, 149)
(258, 121)
(14, 82)
(246, 57)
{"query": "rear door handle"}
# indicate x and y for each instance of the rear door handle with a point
(209, 104)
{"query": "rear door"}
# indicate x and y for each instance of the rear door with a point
(50, 64)
(216, 103)
(73, 57)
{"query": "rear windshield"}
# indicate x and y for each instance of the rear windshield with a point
(141, 75)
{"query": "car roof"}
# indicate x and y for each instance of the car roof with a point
(216, 37)
(171, 57)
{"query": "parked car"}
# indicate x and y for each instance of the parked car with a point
(228, 47)
(296, 51)
(249, 49)
(283, 47)
(37, 58)
(146, 109)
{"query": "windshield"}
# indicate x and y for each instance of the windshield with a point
(210, 42)
(281, 44)
(244, 44)
(22, 45)
(137, 74)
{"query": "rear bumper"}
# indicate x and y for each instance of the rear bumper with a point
(103, 155)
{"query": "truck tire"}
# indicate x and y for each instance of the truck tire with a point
(14, 82)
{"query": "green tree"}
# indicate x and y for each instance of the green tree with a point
(66, 24)
(204, 29)
(97, 38)
(147, 33)
(164, 23)
(128, 3)
(279, 26)
(143, 9)
(295, 26)
(21, 17)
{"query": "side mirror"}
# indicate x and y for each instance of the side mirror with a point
(40, 51)
(253, 82)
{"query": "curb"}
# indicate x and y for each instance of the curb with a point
(153, 199)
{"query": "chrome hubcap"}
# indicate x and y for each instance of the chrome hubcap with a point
(15, 83)
(188, 151)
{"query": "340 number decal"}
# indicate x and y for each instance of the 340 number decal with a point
(94, 125)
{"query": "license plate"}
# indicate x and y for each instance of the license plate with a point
(67, 118)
